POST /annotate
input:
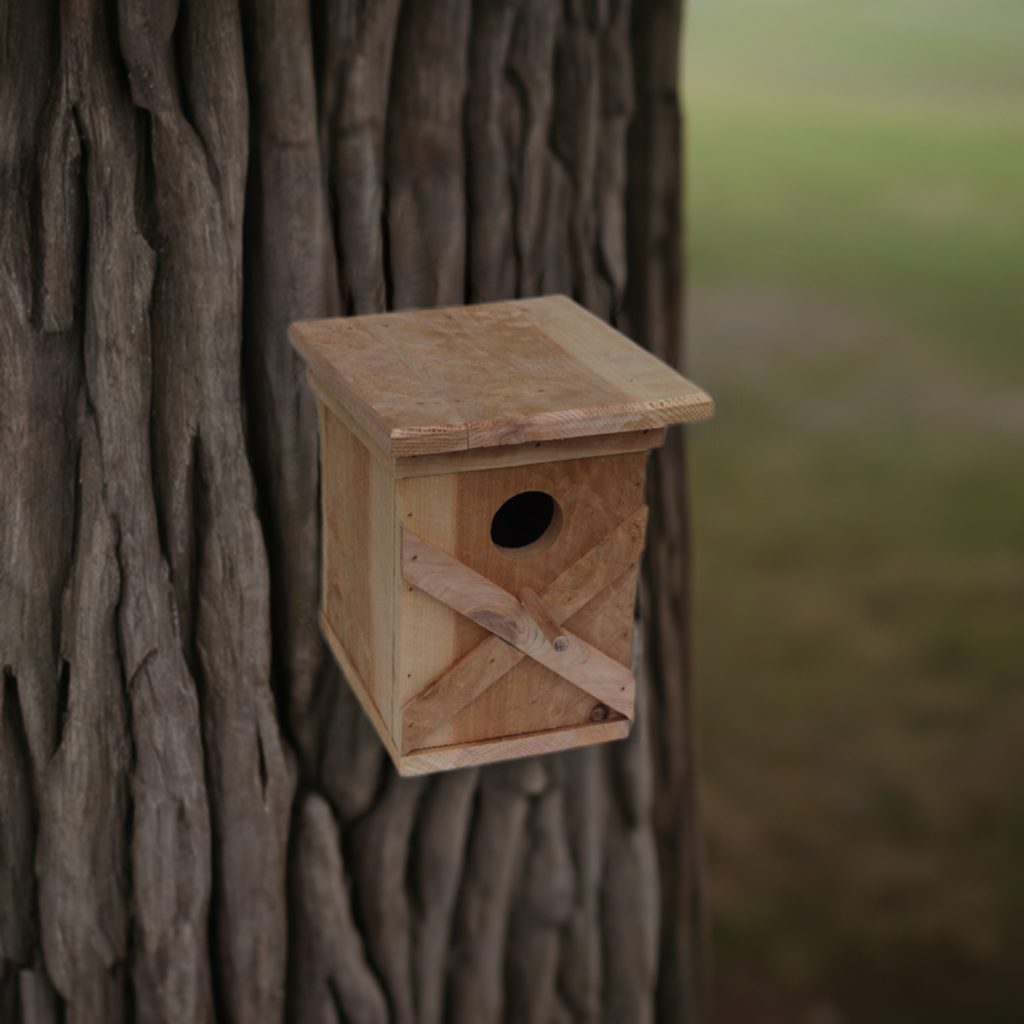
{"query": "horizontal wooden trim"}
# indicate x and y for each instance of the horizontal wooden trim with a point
(529, 454)
(440, 759)
(549, 426)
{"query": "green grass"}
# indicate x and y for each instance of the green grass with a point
(898, 48)
(870, 149)
(856, 197)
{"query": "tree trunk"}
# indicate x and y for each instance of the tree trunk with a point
(196, 821)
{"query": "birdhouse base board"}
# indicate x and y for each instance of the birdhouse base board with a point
(441, 759)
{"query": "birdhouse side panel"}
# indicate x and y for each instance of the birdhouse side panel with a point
(358, 596)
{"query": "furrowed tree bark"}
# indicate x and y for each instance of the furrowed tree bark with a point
(197, 823)
(655, 318)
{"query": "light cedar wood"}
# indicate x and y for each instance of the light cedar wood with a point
(504, 373)
(466, 680)
(358, 498)
(439, 759)
(532, 453)
(457, 688)
(472, 595)
(453, 513)
(535, 607)
(529, 454)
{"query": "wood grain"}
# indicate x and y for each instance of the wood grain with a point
(210, 531)
(358, 496)
(576, 130)
(476, 597)
(531, 58)
(496, 374)
(381, 847)
(587, 801)
(291, 269)
(454, 514)
(531, 453)
(455, 689)
(490, 130)
(535, 608)
(439, 759)
(447, 812)
(531, 698)
(540, 910)
(476, 970)
(40, 380)
(426, 159)
(492, 658)
(405, 467)
(354, 90)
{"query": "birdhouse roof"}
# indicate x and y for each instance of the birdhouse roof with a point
(502, 373)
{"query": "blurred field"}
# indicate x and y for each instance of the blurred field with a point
(856, 199)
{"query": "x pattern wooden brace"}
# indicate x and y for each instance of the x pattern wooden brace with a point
(527, 627)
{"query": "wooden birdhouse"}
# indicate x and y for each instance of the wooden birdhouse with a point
(483, 520)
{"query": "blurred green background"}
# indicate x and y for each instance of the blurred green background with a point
(856, 241)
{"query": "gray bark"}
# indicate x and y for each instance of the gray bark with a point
(197, 822)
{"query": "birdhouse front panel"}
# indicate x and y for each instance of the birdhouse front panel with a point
(483, 476)
(517, 527)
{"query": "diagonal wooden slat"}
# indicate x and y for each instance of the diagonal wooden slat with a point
(467, 592)
(483, 666)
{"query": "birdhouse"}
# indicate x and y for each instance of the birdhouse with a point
(482, 475)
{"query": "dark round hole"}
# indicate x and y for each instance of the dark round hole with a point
(524, 519)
